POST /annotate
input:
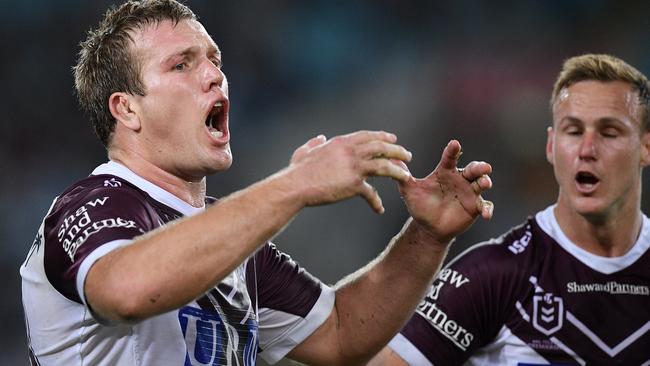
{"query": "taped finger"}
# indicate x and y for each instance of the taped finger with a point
(485, 208)
(481, 184)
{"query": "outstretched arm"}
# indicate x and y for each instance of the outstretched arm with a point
(169, 267)
(374, 303)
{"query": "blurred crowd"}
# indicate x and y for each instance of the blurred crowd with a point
(429, 71)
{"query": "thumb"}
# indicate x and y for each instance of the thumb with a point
(307, 146)
(315, 141)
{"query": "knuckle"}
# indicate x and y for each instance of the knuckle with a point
(360, 183)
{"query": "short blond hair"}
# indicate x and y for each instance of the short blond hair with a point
(604, 68)
(106, 62)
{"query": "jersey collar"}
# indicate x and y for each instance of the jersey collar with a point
(608, 265)
(157, 193)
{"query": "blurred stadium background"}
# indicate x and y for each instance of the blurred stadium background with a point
(429, 71)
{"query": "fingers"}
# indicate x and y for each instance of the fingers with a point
(485, 208)
(369, 193)
(450, 155)
(379, 154)
(400, 164)
(382, 149)
(315, 141)
(312, 143)
(475, 170)
(385, 168)
(482, 183)
(361, 137)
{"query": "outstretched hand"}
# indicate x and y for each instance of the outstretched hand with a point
(332, 170)
(447, 201)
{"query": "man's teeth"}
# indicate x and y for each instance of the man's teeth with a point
(212, 120)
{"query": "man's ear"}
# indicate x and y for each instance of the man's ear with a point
(121, 107)
(645, 149)
(549, 144)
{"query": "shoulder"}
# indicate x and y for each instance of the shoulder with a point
(90, 214)
(101, 208)
(99, 192)
(501, 253)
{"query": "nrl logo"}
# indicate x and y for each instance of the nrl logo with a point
(548, 313)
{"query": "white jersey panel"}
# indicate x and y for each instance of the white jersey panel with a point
(280, 332)
(506, 350)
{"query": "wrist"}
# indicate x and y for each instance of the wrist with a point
(423, 234)
(291, 187)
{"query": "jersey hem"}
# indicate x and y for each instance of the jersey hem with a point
(303, 329)
(408, 352)
(85, 267)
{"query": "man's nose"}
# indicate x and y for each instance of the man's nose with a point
(588, 145)
(212, 76)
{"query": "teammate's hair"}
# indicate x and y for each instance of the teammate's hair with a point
(107, 63)
(604, 68)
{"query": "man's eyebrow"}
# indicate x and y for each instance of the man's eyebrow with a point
(185, 52)
(214, 50)
(570, 119)
(190, 51)
(601, 120)
(609, 120)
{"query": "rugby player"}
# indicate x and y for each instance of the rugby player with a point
(135, 265)
(569, 286)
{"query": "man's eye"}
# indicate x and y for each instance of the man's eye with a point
(217, 63)
(180, 67)
(610, 132)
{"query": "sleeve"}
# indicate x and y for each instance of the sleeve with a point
(87, 226)
(292, 303)
(462, 311)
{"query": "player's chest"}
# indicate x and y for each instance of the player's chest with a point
(581, 318)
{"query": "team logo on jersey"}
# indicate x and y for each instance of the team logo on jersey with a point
(210, 341)
(113, 183)
(519, 245)
(548, 312)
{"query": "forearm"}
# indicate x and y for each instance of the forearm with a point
(374, 303)
(169, 267)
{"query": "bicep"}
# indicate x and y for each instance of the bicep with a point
(321, 346)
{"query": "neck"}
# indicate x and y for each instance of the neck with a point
(608, 235)
(192, 192)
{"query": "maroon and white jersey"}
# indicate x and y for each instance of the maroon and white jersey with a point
(267, 305)
(532, 297)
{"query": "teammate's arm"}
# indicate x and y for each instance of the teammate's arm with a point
(373, 304)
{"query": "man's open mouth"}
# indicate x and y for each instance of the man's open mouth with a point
(586, 179)
(216, 120)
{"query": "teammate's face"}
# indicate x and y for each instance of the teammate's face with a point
(184, 114)
(598, 148)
